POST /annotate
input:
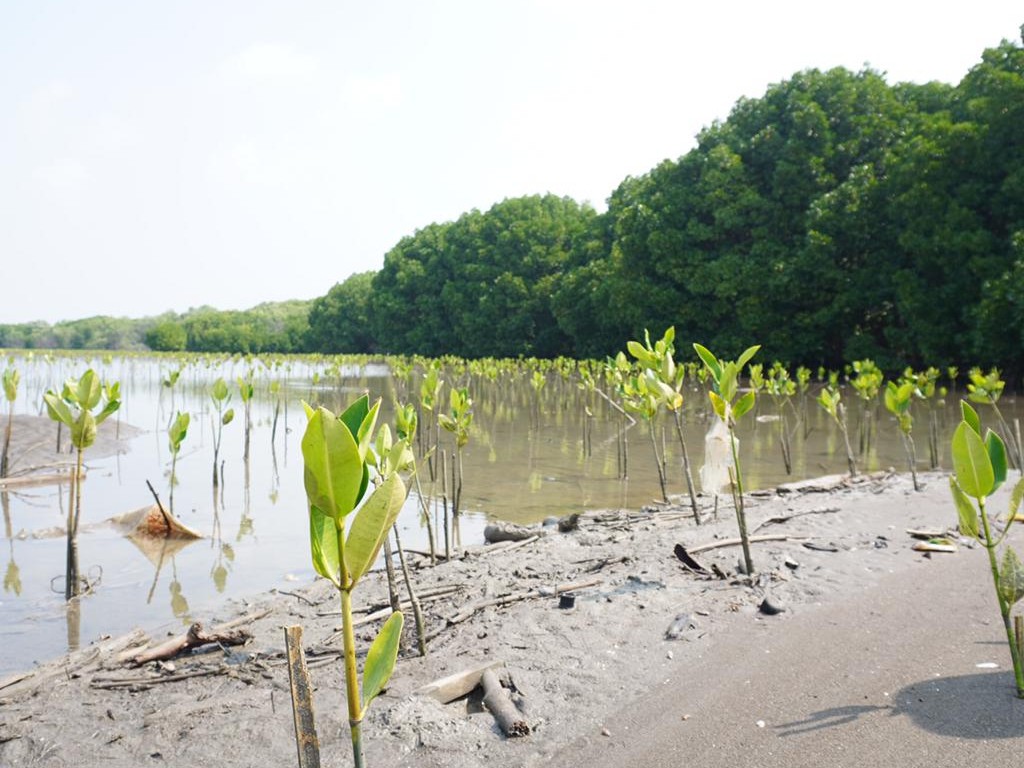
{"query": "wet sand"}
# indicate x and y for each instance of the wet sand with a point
(872, 662)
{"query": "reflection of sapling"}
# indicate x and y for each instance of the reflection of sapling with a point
(336, 453)
(979, 468)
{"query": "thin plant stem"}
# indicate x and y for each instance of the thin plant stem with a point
(355, 715)
(1004, 605)
(741, 517)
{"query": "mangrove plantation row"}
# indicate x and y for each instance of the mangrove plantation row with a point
(835, 218)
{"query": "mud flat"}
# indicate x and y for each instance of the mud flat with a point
(847, 647)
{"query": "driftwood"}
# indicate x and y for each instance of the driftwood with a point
(194, 638)
(26, 481)
(486, 676)
(306, 740)
(497, 532)
(737, 542)
(221, 629)
(455, 686)
(786, 518)
(510, 720)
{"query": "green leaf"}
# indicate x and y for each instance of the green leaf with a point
(971, 464)
(1016, 496)
(229, 414)
(323, 544)
(58, 409)
(178, 431)
(970, 416)
(83, 430)
(219, 390)
(380, 659)
(965, 510)
(637, 350)
(333, 469)
(89, 390)
(371, 525)
(1011, 577)
(747, 355)
(997, 456)
(109, 409)
(718, 404)
(709, 360)
(743, 405)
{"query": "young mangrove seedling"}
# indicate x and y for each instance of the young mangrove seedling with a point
(337, 477)
(246, 390)
(175, 437)
(74, 408)
(987, 389)
(979, 468)
(659, 361)
(457, 421)
(829, 399)
(221, 396)
(898, 398)
(11, 378)
(725, 375)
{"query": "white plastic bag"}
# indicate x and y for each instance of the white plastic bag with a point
(714, 475)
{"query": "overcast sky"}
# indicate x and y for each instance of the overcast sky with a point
(166, 155)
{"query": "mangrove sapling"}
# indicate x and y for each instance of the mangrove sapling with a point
(175, 437)
(639, 396)
(781, 388)
(987, 389)
(829, 399)
(659, 361)
(897, 401)
(867, 382)
(74, 408)
(458, 421)
(928, 390)
(398, 457)
(221, 396)
(730, 408)
(979, 468)
(11, 377)
(406, 424)
(337, 478)
(246, 390)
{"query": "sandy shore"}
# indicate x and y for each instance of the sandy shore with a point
(873, 661)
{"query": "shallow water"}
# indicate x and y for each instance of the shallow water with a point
(525, 461)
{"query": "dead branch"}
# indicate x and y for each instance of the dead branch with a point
(457, 685)
(194, 638)
(510, 720)
(737, 542)
(786, 518)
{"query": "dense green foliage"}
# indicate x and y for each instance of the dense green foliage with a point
(836, 218)
(270, 327)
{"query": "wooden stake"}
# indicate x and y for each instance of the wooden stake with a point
(306, 740)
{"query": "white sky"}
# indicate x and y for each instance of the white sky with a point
(164, 155)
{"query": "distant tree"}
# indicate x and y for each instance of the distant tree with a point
(339, 322)
(166, 336)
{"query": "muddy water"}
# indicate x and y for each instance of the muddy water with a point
(529, 457)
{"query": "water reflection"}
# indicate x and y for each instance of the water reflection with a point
(533, 451)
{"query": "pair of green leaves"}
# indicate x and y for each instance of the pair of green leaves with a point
(75, 405)
(461, 415)
(979, 466)
(335, 451)
(178, 431)
(725, 374)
